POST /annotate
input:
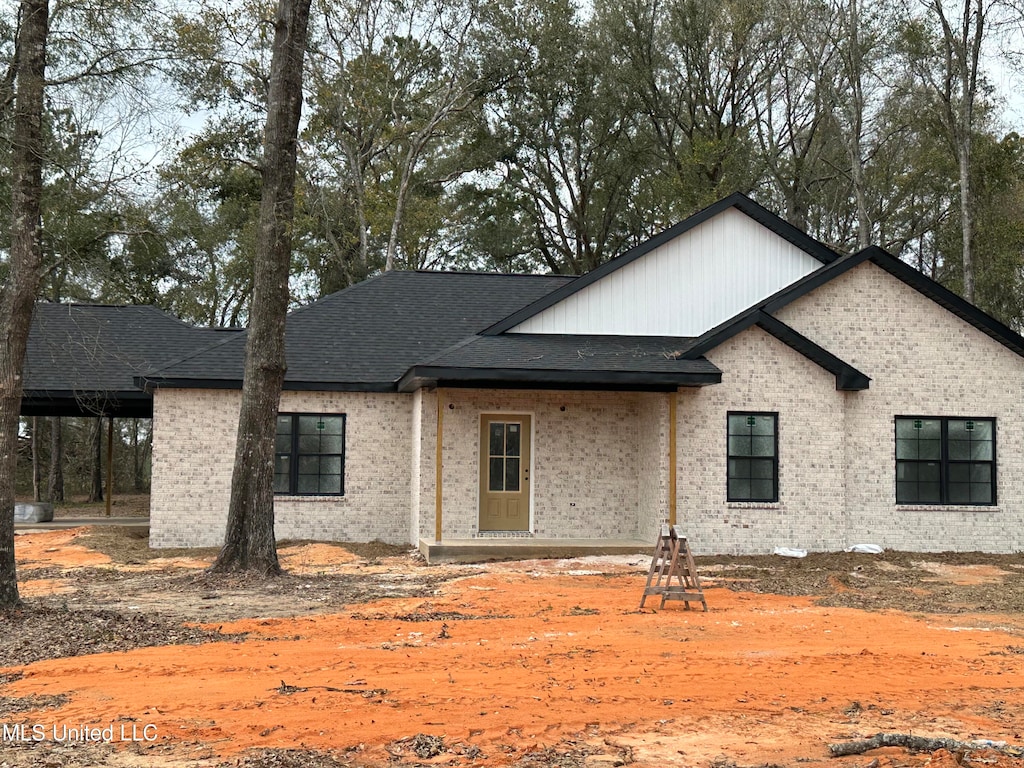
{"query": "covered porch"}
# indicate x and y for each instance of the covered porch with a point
(575, 458)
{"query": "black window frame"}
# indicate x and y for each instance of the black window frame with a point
(294, 454)
(945, 462)
(730, 457)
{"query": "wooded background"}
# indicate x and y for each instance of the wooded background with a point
(515, 135)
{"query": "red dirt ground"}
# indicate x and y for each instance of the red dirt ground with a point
(526, 656)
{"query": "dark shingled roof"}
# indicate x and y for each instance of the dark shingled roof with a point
(83, 359)
(367, 336)
(571, 361)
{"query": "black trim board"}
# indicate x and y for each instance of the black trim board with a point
(120, 404)
(516, 378)
(150, 383)
(737, 200)
(882, 259)
(848, 378)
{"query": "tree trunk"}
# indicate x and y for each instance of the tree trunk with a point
(55, 483)
(249, 543)
(138, 458)
(967, 215)
(96, 460)
(37, 462)
(25, 265)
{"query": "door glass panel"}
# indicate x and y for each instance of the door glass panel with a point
(497, 432)
(496, 479)
(512, 474)
(512, 440)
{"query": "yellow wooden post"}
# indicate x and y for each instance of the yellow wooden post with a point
(672, 457)
(110, 464)
(437, 467)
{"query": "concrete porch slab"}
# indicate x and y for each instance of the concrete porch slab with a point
(482, 550)
(62, 523)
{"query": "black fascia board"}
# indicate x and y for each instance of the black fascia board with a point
(737, 200)
(149, 383)
(945, 298)
(519, 378)
(725, 331)
(129, 405)
(848, 378)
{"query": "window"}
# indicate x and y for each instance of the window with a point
(309, 454)
(753, 457)
(945, 461)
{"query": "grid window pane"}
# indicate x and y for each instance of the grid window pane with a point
(308, 425)
(906, 493)
(308, 484)
(981, 493)
(310, 454)
(739, 489)
(752, 460)
(959, 493)
(739, 445)
(945, 460)
(929, 493)
(330, 484)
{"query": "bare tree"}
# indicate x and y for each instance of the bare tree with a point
(249, 542)
(26, 257)
(952, 73)
(55, 481)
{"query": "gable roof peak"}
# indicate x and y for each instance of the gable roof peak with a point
(737, 200)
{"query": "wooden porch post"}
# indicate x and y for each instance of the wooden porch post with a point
(110, 464)
(437, 467)
(672, 397)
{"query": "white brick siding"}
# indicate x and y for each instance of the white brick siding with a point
(193, 451)
(590, 476)
(599, 465)
(923, 360)
(761, 373)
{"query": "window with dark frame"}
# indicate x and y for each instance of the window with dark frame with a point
(309, 454)
(943, 460)
(753, 457)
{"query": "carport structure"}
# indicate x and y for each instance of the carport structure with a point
(82, 360)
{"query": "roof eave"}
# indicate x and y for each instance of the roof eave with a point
(150, 383)
(421, 376)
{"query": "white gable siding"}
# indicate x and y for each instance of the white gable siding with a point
(685, 286)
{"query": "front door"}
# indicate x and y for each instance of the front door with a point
(504, 472)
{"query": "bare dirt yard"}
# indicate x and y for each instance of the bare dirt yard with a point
(363, 656)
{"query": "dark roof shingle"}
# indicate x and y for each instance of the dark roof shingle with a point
(367, 336)
(84, 357)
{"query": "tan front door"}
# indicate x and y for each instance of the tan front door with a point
(504, 472)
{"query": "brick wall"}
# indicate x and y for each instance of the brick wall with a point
(923, 361)
(193, 452)
(761, 373)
